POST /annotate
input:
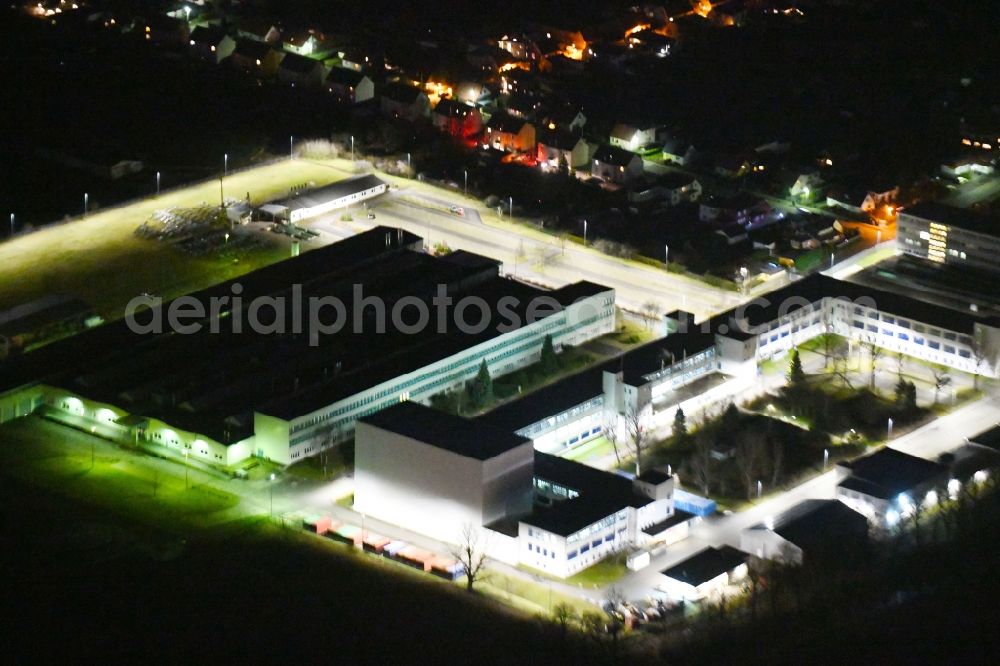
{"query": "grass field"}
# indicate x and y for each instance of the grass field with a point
(100, 260)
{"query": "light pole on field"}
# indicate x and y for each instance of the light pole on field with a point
(826, 457)
(466, 190)
(352, 148)
(510, 214)
(760, 488)
(408, 163)
(86, 202)
(270, 490)
(157, 183)
(889, 429)
(666, 255)
(291, 147)
(225, 164)
(585, 233)
(12, 225)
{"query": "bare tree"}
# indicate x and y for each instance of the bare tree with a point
(840, 358)
(638, 434)
(875, 353)
(701, 462)
(900, 364)
(650, 313)
(941, 380)
(564, 615)
(471, 554)
(610, 430)
(983, 354)
(777, 462)
(750, 460)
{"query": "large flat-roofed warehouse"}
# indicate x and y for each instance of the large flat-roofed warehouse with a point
(343, 193)
(223, 396)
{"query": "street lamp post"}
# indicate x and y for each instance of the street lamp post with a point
(889, 429)
(352, 148)
(291, 147)
(225, 164)
(510, 214)
(408, 163)
(466, 190)
(157, 183)
(666, 255)
(585, 233)
(826, 457)
(12, 225)
(760, 488)
(86, 202)
(270, 491)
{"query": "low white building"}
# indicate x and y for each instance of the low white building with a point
(343, 193)
(886, 485)
(811, 529)
(705, 575)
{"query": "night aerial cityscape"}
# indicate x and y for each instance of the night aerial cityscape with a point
(443, 332)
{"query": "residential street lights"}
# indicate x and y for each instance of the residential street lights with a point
(157, 183)
(666, 255)
(510, 214)
(889, 429)
(352, 148)
(225, 164)
(86, 202)
(12, 225)
(291, 147)
(585, 233)
(466, 190)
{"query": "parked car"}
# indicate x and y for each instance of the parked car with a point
(457, 210)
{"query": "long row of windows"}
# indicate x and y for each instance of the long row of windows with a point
(468, 366)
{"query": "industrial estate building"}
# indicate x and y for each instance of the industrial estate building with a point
(282, 394)
(949, 236)
(438, 474)
(341, 194)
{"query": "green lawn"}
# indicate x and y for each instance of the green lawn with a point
(597, 448)
(101, 261)
(605, 572)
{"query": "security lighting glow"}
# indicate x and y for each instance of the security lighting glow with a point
(891, 518)
(980, 476)
(931, 498)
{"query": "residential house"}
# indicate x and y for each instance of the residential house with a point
(968, 167)
(863, 200)
(520, 105)
(300, 70)
(732, 166)
(742, 208)
(632, 137)
(257, 58)
(680, 187)
(677, 151)
(886, 485)
(520, 47)
(349, 86)
(813, 530)
(616, 165)
(509, 134)
(568, 118)
(807, 186)
(399, 100)
(211, 43)
(166, 30)
(303, 42)
(734, 233)
(560, 149)
(258, 30)
(458, 119)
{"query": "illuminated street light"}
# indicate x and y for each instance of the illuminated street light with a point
(291, 147)
(352, 147)
(466, 172)
(760, 488)
(270, 489)
(826, 457)
(666, 255)
(12, 225)
(585, 233)
(86, 202)
(889, 429)
(157, 183)
(225, 164)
